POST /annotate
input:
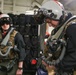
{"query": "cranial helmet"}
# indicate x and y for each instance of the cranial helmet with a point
(4, 18)
(53, 9)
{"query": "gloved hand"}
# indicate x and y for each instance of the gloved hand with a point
(51, 69)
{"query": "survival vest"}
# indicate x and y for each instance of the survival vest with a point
(9, 43)
(57, 43)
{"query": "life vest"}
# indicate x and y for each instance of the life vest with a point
(3, 49)
(56, 44)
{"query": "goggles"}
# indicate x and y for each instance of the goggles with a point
(48, 13)
(4, 20)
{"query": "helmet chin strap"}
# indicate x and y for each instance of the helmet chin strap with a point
(5, 30)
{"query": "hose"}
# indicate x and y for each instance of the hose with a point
(57, 60)
(7, 52)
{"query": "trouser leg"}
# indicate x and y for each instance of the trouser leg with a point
(3, 73)
(3, 70)
(13, 71)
